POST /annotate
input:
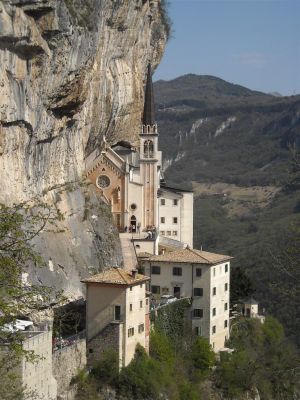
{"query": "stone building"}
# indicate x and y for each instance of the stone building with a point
(202, 276)
(117, 314)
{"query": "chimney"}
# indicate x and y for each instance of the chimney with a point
(134, 272)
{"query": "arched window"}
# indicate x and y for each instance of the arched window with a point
(148, 149)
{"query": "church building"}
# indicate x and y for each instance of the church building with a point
(129, 179)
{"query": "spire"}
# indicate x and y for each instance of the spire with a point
(148, 115)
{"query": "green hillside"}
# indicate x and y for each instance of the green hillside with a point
(233, 147)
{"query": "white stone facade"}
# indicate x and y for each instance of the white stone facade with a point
(208, 286)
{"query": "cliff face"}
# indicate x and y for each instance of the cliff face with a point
(71, 71)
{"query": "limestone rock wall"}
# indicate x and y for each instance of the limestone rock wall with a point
(71, 71)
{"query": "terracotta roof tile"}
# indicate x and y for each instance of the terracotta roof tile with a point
(189, 255)
(116, 276)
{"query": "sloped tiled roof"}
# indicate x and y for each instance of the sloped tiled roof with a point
(116, 276)
(191, 256)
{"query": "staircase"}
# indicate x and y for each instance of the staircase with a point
(129, 255)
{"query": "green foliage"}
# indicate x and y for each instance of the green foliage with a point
(107, 369)
(262, 360)
(142, 379)
(160, 348)
(202, 356)
(19, 225)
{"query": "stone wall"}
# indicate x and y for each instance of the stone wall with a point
(110, 338)
(66, 363)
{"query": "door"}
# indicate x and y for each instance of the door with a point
(177, 292)
(133, 223)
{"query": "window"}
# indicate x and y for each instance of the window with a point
(198, 272)
(141, 328)
(91, 351)
(214, 329)
(141, 286)
(141, 303)
(225, 323)
(175, 220)
(133, 206)
(148, 149)
(155, 270)
(175, 202)
(168, 233)
(130, 288)
(177, 271)
(147, 302)
(197, 313)
(197, 330)
(213, 312)
(174, 233)
(226, 287)
(162, 202)
(162, 233)
(130, 332)
(103, 181)
(117, 313)
(198, 292)
(130, 307)
(214, 270)
(155, 289)
(225, 306)
(214, 291)
(165, 290)
(226, 267)
(162, 220)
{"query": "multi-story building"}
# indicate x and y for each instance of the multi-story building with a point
(175, 216)
(202, 276)
(117, 314)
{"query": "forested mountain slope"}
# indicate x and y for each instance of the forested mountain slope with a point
(237, 149)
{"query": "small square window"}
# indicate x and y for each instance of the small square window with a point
(141, 285)
(225, 306)
(162, 233)
(175, 202)
(162, 202)
(91, 351)
(162, 220)
(213, 312)
(214, 291)
(155, 289)
(226, 287)
(198, 272)
(130, 307)
(214, 329)
(168, 233)
(177, 271)
(130, 332)
(155, 270)
(226, 267)
(141, 328)
(225, 323)
(198, 292)
(197, 313)
(174, 233)
(141, 304)
(175, 220)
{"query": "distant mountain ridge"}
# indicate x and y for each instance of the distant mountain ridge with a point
(206, 124)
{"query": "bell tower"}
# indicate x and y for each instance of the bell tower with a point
(149, 156)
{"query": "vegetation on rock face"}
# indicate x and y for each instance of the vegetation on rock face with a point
(18, 226)
(263, 362)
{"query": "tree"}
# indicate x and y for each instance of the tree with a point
(19, 225)
(202, 357)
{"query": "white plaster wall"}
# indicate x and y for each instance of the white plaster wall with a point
(169, 211)
(37, 376)
(187, 218)
(135, 196)
(133, 319)
(218, 279)
(100, 306)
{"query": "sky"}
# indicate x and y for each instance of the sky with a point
(253, 43)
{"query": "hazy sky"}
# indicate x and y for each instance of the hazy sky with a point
(255, 43)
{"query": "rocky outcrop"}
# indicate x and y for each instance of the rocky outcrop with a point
(71, 71)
